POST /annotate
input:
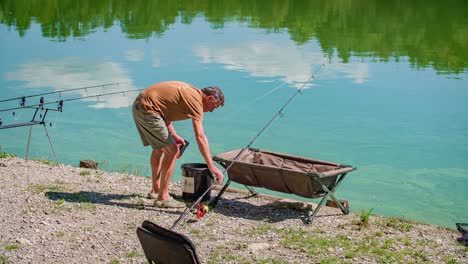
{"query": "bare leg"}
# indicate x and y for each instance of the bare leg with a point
(155, 162)
(167, 169)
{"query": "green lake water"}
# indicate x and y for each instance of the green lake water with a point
(392, 98)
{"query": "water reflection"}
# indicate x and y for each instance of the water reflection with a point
(69, 73)
(265, 59)
(430, 33)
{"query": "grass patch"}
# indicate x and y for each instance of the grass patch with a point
(4, 155)
(114, 261)
(271, 261)
(331, 260)
(429, 243)
(40, 188)
(132, 226)
(373, 247)
(398, 224)
(241, 246)
(195, 231)
(128, 169)
(12, 246)
(59, 182)
(350, 254)
(87, 207)
(228, 257)
(140, 201)
(4, 260)
(45, 161)
(451, 260)
(298, 239)
(133, 254)
(264, 229)
(364, 218)
(85, 173)
(60, 202)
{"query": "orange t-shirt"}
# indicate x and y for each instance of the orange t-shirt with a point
(173, 101)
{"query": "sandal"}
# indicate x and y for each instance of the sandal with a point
(169, 203)
(152, 195)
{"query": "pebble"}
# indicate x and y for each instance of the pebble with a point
(23, 241)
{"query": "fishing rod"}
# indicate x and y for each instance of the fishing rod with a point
(23, 98)
(278, 113)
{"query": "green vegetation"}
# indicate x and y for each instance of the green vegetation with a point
(270, 261)
(12, 246)
(364, 218)
(140, 202)
(40, 188)
(451, 260)
(398, 224)
(221, 256)
(4, 260)
(133, 254)
(45, 161)
(4, 155)
(378, 248)
(114, 261)
(128, 169)
(195, 231)
(85, 173)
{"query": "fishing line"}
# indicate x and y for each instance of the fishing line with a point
(254, 101)
(278, 113)
(60, 102)
(269, 92)
(61, 91)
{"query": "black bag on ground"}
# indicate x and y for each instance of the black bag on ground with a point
(163, 246)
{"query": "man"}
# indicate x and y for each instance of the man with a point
(154, 111)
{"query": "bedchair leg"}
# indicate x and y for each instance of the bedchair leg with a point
(213, 202)
(252, 191)
(329, 193)
(315, 211)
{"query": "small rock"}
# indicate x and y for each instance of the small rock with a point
(258, 246)
(23, 241)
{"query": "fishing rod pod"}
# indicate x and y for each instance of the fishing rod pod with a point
(41, 106)
(59, 103)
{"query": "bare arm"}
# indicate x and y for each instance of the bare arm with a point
(204, 148)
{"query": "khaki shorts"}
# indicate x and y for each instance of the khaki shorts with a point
(151, 127)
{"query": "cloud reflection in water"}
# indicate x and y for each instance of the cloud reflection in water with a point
(287, 61)
(68, 73)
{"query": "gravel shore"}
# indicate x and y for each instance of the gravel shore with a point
(65, 214)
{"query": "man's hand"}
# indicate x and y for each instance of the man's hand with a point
(218, 174)
(179, 144)
(178, 140)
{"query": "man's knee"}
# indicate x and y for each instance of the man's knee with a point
(156, 156)
(171, 150)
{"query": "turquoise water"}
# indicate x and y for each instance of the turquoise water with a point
(389, 101)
